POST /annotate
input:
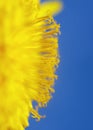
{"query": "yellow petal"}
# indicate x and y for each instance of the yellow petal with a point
(50, 8)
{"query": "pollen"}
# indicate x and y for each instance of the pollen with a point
(29, 58)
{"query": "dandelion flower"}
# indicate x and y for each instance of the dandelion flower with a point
(28, 59)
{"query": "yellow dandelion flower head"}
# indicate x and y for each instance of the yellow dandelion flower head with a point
(28, 59)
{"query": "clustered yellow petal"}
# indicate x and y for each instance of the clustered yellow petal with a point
(28, 59)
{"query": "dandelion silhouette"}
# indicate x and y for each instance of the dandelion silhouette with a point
(28, 59)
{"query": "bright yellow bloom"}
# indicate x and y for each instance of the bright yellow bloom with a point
(28, 59)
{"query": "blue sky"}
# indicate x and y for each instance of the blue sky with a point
(72, 105)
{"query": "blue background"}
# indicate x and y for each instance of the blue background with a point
(72, 105)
